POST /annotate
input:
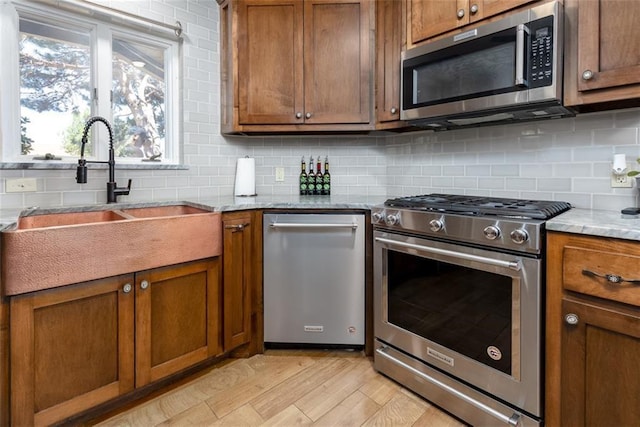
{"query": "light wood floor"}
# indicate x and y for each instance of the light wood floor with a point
(288, 388)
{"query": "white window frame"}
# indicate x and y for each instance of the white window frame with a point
(102, 34)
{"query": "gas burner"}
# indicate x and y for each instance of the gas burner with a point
(481, 206)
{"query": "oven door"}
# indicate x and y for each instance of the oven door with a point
(471, 313)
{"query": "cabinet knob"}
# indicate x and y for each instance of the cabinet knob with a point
(394, 110)
(460, 13)
(127, 288)
(298, 115)
(308, 115)
(144, 284)
(473, 9)
(587, 75)
(571, 319)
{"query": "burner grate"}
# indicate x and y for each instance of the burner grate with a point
(481, 206)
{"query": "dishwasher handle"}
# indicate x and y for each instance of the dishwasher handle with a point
(352, 226)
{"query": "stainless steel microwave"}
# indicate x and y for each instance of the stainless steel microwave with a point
(502, 71)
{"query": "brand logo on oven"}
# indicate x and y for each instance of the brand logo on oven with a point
(441, 357)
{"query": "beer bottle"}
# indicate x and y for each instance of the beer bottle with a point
(319, 179)
(311, 178)
(326, 178)
(303, 178)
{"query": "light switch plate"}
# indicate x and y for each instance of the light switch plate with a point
(279, 174)
(20, 185)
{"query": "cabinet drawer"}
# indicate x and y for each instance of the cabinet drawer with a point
(602, 274)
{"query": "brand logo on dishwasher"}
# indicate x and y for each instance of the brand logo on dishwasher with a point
(313, 328)
(441, 357)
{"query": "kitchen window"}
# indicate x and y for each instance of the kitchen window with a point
(71, 67)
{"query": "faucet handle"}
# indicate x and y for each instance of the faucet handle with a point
(123, 191)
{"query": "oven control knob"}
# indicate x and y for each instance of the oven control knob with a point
(436, 225)
(519, 236)
(491, 232)
(377, 216)
(392, 219)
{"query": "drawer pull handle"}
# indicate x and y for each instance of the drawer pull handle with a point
(611, 278)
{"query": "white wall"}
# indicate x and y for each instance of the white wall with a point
(566, 159)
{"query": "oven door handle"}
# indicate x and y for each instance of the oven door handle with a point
(514, 420)
(513, 265)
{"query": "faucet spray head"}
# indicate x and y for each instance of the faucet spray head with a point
(81, 173)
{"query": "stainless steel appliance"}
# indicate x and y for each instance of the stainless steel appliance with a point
(502, 71)
(458, 299)
(314, 279)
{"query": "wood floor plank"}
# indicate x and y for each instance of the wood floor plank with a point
(434, 417)
(290, 416)
(198, 415)
(337, 388)
(401, 411)
(290, 390)
(353, 411)
(244, 416)
(272, 373)
(380, 388)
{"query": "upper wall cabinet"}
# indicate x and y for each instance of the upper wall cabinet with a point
(430, 18)
(602, 58)
(295, 66)
(389, 44)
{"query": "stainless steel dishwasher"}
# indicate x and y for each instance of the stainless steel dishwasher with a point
(314, 279)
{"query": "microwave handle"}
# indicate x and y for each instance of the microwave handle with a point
(521, 31)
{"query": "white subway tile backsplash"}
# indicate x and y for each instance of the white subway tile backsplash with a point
(563, 159)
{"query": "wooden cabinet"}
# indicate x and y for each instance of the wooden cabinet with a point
(593, 331)
(242, 283)
(294, 65)
(431, 18)
(4, 362)
(178, 318)
(602, 58)
(71, 348)
(77, 346)
(389, 44)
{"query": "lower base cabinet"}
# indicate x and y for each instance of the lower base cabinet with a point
(75, 347)
(593, 331)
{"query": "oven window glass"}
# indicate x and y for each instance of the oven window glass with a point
(466, 310)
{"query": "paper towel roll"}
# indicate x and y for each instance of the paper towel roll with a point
(245, 177)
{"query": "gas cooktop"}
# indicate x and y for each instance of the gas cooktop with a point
(481, 205)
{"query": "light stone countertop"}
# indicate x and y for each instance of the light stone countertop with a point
(597, 223)
(216, 204)
(579, 221)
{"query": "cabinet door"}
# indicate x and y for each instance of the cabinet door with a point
(600, 365)
(71, 349)
(4, 363)
(603, 57)
(337, 61)
(270, 62)
(388, 47)
(486, 8)
(238, 274)
(177, 318)
(432, 17)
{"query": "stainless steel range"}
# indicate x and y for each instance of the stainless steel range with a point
(458, 300)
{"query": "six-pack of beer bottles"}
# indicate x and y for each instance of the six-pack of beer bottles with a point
(315, 182)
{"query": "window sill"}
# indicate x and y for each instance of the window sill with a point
(62, 165)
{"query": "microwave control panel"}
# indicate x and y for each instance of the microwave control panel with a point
(541, 53)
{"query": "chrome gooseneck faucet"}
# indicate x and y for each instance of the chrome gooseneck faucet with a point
(113, 191)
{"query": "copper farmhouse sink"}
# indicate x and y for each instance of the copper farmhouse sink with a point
(61, 248)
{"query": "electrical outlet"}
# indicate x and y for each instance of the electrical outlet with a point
(621, 181)
(279, 174)
(19, 185)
